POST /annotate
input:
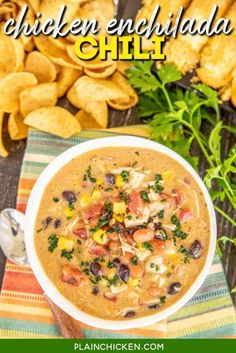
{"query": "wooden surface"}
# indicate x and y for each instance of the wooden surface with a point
(10, 170)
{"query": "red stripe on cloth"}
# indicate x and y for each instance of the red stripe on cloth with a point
(23, 282)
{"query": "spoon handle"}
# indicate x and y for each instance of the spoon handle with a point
(69, 327)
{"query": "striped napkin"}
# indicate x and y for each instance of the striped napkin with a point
(24, 313)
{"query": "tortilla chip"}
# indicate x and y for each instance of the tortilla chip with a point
(123, 66)
(54, 120)
(39, 65)
(124, 85)
(101, 10)
(3, 151)
(96, 89)
(16, 127)
(12, 54)
(87, 121)
(101, 73)
(27, 41)
(59, 42)
(56, 55)
(35, 5)
(43, 95)
(11, 86)
(66, 78)
(98, 110)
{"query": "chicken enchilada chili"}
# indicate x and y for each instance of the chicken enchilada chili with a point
(122, 232)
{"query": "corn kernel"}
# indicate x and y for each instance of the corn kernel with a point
(118, 217)
(84, 200)
(133, 282)
(119, 207)
(111, 273)
(140, 246)
(100, 237)
(65, 244)
(168, 175)
(69, 213)
(100, 182)
(96, 195)
(119, 181)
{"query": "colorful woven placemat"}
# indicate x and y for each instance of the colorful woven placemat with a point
(24, 313)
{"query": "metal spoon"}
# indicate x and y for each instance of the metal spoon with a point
(12, 224)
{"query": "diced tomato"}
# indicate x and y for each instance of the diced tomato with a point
(184, 215)
(178, 197)
(81, 233)
(112, 236)
(158, 246)
(72, 276)
(92, 211)
(98, 250)
(136, 204)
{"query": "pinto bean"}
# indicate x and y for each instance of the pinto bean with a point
(144, 235)
(126, 258)
(154, 306)
(154, 290)
(113, 236)
(72, 276)
(136, 270)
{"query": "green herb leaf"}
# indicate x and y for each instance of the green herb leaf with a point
(52, 242)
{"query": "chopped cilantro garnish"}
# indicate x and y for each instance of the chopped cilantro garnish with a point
(52, 242)
(168, 274)
(134, 260)
(157, 267)
(108, 190)
(134, 164)
(180, 234)
(184, 251)
(67, 254)
(110, 264)
(162, 299)
(88, 175)
(56, 199)
(137, 153)
(125, 175)
(175, 221)
(79, 242)
(160, 214)
(123, 197)
(71, 206)
(129, 217)
(147, 246)
(144, 196)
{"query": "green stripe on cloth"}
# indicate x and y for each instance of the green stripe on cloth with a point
(213, 298)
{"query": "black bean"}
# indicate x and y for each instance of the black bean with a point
(174, 288)
(95, 268)
(130, 314)
(46, 222)
(69, 196)
(116, 261)
(154, 306)
(95, 290)
(110, 179)
(57, 223)
(195, 250)
(124, 273)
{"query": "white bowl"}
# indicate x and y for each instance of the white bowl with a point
(31, 214)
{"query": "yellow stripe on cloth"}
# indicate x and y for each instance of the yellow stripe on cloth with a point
(24, 334)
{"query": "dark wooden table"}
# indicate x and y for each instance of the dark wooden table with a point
(10, 169)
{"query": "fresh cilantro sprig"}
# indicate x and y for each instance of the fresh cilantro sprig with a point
(176, 117)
